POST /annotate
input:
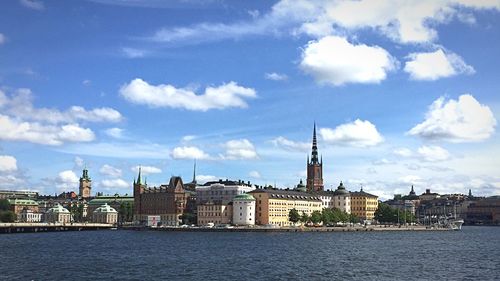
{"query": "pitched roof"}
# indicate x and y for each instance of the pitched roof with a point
(288, 194)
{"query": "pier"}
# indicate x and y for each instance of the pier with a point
(50, 227)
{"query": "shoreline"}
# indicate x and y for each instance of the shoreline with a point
(286, 229)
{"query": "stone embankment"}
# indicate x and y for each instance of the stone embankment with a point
(50, 227)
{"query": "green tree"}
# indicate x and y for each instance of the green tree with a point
(316, 217)
(327, 216)
(293, 215)
(304, 218)
(4, 205)
(7, 216)
(129, 211)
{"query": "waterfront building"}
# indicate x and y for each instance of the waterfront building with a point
(244, 209)
(105, 214)
(116, 202)
(18, 205)
(168, 201)
(85, 186)
(216, 213)
(301, 187)
(484, 211)
(6, 194)
(28, 215)
(58, 214)
(364, 205)
(342, 199)
(273, 205)
(314, 180)
(221, 192)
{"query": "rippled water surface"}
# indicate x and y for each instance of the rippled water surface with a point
(470, 254)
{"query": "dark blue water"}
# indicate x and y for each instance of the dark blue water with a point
(471, 254)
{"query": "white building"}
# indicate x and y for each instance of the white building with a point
(342, 199)
(105, 214)
(28, 215)
(58, 214)
(244, 209)
(221, 192)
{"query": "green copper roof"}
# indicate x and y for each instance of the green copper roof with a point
(23, 202)
(244, 197)
(58, 209)
(105, 209)
(99, 201)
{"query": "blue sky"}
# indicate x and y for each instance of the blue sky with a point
(403, 92)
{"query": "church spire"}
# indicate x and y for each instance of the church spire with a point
(194, 172)
(314, 153)
(139, 177)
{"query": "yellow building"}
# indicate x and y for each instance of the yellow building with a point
(214, 213)
(273, 205)
(363, 205)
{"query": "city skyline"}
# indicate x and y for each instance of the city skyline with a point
(404, 95)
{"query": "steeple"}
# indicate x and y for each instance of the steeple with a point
(314, 153)
(412, 192)
(139, 177)
(194, 172)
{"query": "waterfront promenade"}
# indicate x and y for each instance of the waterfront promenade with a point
(50, 227)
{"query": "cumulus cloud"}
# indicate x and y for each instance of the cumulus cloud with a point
(334, 60)
(275, 76)
(290, 145)
(67, 180)
(254, 174)
(78, 162)
(12, 182)
(239, 149)
(20, 105)
(433, 153)
(14, 130)
(188, 138)
(108, 170)
(33, 4)
(462, 120)
(189, 152)
(116, 133)
(403, 152)
(8, 163)
(358, 133)
(435, 65)
(114, 183)
(411, 179)
(205, 178)
(227, 95)
(146, 170)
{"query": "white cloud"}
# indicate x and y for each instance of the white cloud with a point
(411, 179)
(276, 76)
(290, 145)
(239, 149)
(8, 163)
(254, 174)
(411, 21)
(115, 183)
(14, 130)
(231, 94)
(20, 105)
(3, 39)
(78, 162)
(336, 61)
(462, 120)
(146, 170)
(188, 138)
(111, 171)
(86, 82)
(12, 182)
(189, 152)
(205, 178)
(435, 65)
(403, 151)
(67, 180)
(358, 133)
(33, 4)
(382, 161)
(134, 53)
(433, 153)
(116, 133)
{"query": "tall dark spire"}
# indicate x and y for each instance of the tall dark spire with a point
(139, 176)
(194, 172)
(314, 153)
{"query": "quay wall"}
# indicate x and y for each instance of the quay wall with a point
(50, 227)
